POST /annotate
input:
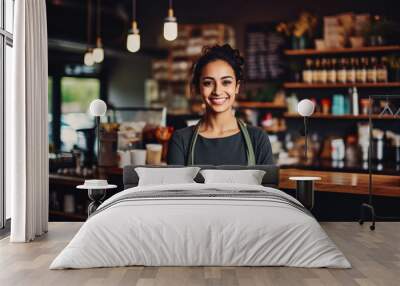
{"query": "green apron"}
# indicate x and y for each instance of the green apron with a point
(251, 159)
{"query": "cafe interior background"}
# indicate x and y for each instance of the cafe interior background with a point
(335, 53)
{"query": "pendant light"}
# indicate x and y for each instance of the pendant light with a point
(88, 58)
(133, 39)
(170, 25)
(98, 52)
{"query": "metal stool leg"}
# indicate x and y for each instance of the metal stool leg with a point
(362, 215)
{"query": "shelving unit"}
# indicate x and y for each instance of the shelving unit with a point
(313, 52)
(342, 117)
(349, 124)
(301, 85)
(257, 104)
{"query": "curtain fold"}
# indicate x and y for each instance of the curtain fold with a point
(28, 123)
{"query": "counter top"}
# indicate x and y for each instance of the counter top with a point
(337, 182)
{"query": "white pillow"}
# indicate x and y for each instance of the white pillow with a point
(249, 177)
(165, 176)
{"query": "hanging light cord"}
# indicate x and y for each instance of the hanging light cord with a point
(170, 4)
(133, 10)
(89, 22)
(98, 17)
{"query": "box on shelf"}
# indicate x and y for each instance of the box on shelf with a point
(339, 28)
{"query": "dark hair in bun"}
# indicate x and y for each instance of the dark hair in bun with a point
(214, 53)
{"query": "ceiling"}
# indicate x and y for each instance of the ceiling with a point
(67, 20)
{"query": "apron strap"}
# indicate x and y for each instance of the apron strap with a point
(251, 158)
(190, 158)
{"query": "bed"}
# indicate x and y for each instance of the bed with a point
(201, 224)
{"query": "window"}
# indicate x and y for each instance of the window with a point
(76, 95)
(6, 43)
(9, 15)
(49, 112)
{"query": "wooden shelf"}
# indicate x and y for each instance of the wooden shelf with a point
(311, 52)
(346, 117)
(175, 81)
(302, 85)
(258, 104)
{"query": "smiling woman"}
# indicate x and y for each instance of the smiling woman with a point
(219, 138)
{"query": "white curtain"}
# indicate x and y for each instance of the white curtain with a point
(27, 142)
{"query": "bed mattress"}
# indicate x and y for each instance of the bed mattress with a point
(201, 225)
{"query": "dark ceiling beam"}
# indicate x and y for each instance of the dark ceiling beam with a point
(118, 10)
(80, 48)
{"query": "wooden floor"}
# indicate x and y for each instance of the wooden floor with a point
(375, 257)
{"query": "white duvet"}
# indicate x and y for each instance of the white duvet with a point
(200, 231)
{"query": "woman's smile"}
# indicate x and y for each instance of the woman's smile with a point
(218, 100)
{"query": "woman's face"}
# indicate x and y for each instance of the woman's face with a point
(218, 86)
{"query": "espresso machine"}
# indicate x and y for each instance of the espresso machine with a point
(86, 144)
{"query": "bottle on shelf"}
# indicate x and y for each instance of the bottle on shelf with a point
(341, 73)
(382, 70)
(352, 150)
(361, 71)
(338, 149)
(351, 71)
(354, 101)
(307, 72)
(331, 70)
(316, 71)
(371, 70)
(323, 74)
(326, 106)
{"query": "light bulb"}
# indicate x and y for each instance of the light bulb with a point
(88, 58)
(98, 107)
(170, 29)
(98, 54)
(133, 40)
(133, 43)
(305, 107)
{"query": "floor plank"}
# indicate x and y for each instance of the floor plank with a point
(375, 257)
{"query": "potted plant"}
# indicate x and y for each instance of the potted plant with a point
(301, 31)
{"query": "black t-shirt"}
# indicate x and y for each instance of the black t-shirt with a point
(230, 150)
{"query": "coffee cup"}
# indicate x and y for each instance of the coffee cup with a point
(138, 157)
(154, 152)
(124, 158)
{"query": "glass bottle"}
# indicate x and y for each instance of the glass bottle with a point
(351, 72)
(382, 71)
(307, 72)
(341, 74)
(371, 70)
(323, 74)
(315, 71)
(331, 67)
(361, 72)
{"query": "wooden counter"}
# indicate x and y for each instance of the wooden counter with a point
(336, 182)
(66, 180)
(351, 183)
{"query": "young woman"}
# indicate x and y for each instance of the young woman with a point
(219, 138)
